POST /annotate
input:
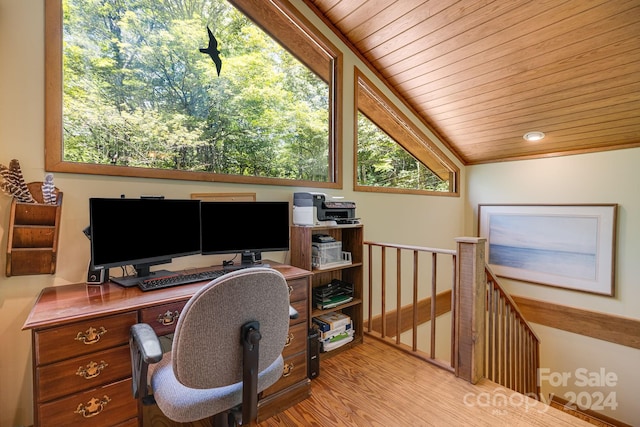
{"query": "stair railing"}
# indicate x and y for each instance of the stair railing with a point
(391, 323)
(489, 337)
(512, 356)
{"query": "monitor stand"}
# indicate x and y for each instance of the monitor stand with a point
(250, 259)
(245, 265)
(132, 281)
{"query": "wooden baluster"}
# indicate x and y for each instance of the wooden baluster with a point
(454, 358)
(370, 272)
(414, 323)
(383, 290)
(398, 294)
(490, 329)
(434, 259)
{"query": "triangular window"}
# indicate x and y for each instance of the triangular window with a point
(392, 154)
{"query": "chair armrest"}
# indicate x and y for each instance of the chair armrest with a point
(293, 313)
(146, 339)
(145, 349)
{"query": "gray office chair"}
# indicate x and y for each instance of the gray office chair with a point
(226, 349)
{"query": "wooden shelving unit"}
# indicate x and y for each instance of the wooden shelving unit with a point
(351, 237)
(32, 243)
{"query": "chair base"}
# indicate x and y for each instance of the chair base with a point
(222, 419)
(231, 418)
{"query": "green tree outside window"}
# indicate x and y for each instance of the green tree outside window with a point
(137, 92)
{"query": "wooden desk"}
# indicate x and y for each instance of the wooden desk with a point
(81, 362)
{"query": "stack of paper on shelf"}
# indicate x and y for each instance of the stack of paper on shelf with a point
(332, 294)
(335, 329)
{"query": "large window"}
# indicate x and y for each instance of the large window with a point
(393, 155)
(130, 93)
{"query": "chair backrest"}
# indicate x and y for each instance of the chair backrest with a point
(207, 348)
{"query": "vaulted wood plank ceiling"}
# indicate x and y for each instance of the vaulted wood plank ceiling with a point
(483, 73)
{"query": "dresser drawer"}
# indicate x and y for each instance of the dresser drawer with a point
(295, 369)
(296, 340)
(102, 406)
(163, 318)
(298, 289)
(90, 371)
(81, 338)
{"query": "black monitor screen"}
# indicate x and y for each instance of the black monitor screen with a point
(142, 232)
(237, 227)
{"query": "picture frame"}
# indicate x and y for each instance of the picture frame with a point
(224, 197)
(566, 246)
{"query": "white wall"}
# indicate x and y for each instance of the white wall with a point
(609, 177)
(432, 221)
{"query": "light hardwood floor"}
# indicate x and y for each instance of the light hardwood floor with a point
(376, 385)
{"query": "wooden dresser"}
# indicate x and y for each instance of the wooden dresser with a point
(80, 345)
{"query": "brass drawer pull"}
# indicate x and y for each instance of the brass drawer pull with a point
(93, 408)
(287, 369)
(289, 339)
(91, 336)
(290, 289)
(92, 370)
(168, 318)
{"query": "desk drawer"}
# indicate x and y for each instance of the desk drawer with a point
(295, 369)
(163, 318)
(81, 338)
(133, 422)
(302, 308)
(103, 406)
(296, 340)
(90, 371)
(298, 289)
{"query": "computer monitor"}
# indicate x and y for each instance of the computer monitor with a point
(248, 228)
(141, 233)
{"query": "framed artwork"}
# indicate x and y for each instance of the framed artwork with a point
(568, 246)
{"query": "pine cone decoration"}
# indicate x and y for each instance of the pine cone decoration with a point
(14, 184)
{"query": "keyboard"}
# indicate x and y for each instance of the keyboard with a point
(162, 282)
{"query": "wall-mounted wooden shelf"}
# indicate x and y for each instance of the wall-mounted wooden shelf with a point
(33, 235)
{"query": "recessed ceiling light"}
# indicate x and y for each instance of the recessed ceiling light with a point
(533, 136)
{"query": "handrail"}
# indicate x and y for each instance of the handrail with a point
(413, 247)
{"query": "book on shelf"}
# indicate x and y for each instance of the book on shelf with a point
(332, 320)
(335, 332)
(338, 337)
(337, 341)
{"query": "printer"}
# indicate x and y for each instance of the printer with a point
(311, 208)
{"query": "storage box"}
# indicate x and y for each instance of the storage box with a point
(328, 254)
(32, 243)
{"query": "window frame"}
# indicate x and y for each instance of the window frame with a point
(387, 116)
(278, 18)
